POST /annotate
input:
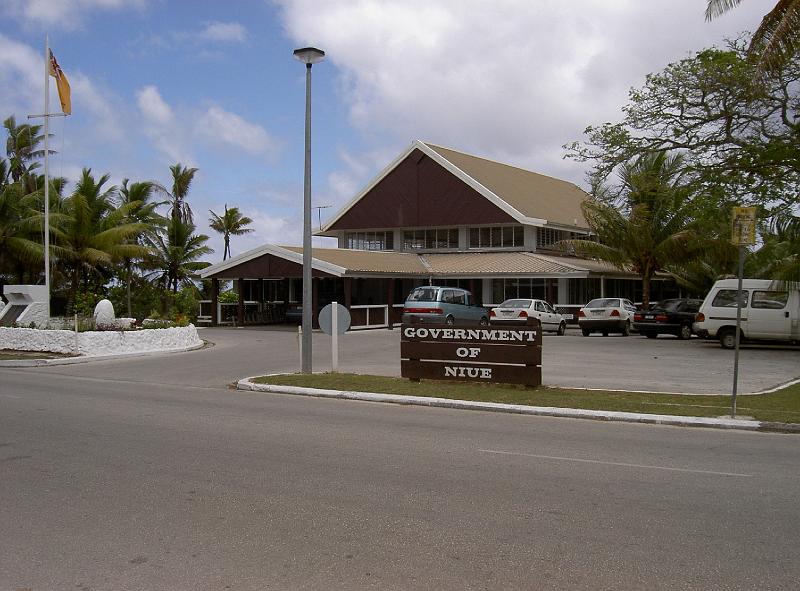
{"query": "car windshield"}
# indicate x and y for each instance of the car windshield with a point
(604, 303)
(516, 304)
(423, 294)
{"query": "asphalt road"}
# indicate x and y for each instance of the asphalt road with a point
(629, 363)
(116, 475)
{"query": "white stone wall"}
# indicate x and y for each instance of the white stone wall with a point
(112, 342)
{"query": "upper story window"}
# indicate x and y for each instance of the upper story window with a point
(548, 236)
(496, 237)
(430, 239)
(371, 240)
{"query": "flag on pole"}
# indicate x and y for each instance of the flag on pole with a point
(63, 85)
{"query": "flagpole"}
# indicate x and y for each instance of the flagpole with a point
(47, 170)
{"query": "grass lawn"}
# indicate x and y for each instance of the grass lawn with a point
(782, 406)
(9, 355)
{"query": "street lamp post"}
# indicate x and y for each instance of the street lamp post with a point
(309, 56)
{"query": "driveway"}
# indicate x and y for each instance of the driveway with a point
(665, 364)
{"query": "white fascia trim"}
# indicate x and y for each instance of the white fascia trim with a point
(381, 175)
(277, 251)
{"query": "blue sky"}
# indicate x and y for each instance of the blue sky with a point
(214, 85)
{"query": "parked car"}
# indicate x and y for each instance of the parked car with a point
(517, 311)
(770, 311)
(294, 314)
(674, 316)
(606, 315)
(449, 305)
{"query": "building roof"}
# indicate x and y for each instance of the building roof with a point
(340, 262)
(527, 197)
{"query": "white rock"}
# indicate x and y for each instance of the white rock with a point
(104, 313)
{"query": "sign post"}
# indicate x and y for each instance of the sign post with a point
(334, 320)
(743, 234)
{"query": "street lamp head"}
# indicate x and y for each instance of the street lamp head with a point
(309, 55)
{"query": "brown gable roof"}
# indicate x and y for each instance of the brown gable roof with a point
(534, 195)
(429, 185)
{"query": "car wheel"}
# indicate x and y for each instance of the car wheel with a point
(562, 328)
(685, 332)
(650, 335)
(727, 338)
(449, 321)
(483, 321)
(586, 332)
(626, 330)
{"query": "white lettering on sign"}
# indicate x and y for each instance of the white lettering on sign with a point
(468, 351)
(471, 334)
(466, 371)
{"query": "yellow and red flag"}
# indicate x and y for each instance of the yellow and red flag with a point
(63, 85)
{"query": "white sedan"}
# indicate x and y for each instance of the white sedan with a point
(518, 311)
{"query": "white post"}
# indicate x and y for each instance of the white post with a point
(300, 341)
(47, 170)
(334, 337)
(77, 346)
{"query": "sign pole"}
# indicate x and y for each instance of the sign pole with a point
(743, 233)
(738, 331)
(335, 337)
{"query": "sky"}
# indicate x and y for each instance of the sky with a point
(214, 85)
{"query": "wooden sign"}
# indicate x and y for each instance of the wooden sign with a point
(499, 354)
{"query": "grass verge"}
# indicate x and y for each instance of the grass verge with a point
(781, 407)
(11, 355)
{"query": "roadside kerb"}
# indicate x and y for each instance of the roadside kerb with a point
(88, 358)
(547, 411)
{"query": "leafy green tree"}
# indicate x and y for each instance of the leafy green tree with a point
(22, 147)
(93, 234)
(19, 225)
(739, 145)
(231, 223)
(141, 208)
(182, 178)
(174, 255)
(645, 223)
(776, 40)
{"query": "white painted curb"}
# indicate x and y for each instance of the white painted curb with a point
(547, 411)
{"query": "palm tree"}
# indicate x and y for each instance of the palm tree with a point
(231, 223)
(779, 258)
(652, 227)
(20, 223)
(136, 198)
(181, 180)
(93, 234)
(174, 254)
(22, 146)
(777, 37)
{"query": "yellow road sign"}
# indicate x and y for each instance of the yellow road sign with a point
(744, 226)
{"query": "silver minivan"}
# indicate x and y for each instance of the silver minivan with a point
(448, 305)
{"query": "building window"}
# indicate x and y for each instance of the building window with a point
(547, 237)
(524, 287)
(431, 239)
(496, 237)
(371, 240)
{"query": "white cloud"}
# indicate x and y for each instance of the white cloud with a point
(222, 127)
(510, 79)
(154, 108)
(21, 79)
(218, 31)
(66, 14)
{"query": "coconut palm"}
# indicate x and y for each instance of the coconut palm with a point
(137, 199)
(22, 146)
(20, 222)
(93, 233)
(231, 223)
(174, 254)
(181, 181)
(777, 37)
(651, 227)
